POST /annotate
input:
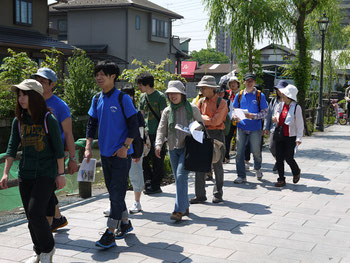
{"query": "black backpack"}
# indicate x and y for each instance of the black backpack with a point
(137, 143)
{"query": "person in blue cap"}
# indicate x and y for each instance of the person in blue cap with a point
(269, 125)
(249, 130)
(48, 78)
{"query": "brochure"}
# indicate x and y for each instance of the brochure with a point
(87, 171)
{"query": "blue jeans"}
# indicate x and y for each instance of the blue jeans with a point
(116, 171)
(254, 137)
(177, 159)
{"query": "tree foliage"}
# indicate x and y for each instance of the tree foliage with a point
(209, 55)
(80, 85)
(247, 22)
(161, 76)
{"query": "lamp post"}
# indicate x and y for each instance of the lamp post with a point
(323, 25)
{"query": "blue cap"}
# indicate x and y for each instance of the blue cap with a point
(46, 73)
(281, 84)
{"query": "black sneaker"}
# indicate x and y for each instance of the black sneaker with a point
(217, 200)
(123, 230)
(107, 240)
(151, 191)
(198, 200)
(58, 223)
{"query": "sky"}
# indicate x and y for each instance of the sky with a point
(193, 25)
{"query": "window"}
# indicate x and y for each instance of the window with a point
(62, 29)
(23, 12)
(137, 23)
(160, 28)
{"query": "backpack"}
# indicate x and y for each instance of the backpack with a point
(258, 98)
(137, 143)
(227, 121)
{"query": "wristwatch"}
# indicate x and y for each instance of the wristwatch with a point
(126, 146)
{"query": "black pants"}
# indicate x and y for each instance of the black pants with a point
(51, 208)
(228, 140)
(35, 196)
(153, 167)
(285, 151)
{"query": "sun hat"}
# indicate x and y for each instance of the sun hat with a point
(176, 86)
(46, 73)
(233, 78)
(28, 84)
(281, 84)
(207, 81)
(290, 91)
(249, 75)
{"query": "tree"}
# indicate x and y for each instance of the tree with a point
(53, 61)
(247, 22)
(80, 85)
(209, 55)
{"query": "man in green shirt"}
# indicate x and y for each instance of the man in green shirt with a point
(152, 104)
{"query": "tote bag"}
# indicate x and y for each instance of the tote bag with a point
(198, 156)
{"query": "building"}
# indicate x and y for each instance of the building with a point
(120, 30)
(24, 27)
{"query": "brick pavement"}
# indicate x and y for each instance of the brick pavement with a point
(307, 222)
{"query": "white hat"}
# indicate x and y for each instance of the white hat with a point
(176, 86)
(290, 91)
(233, 78)
(28, 84)
(207, 81)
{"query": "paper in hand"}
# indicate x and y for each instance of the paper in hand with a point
(86, 171)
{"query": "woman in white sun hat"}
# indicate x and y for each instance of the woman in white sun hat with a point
(180, 112)
(289, 119)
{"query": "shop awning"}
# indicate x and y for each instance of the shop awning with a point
(188, 68)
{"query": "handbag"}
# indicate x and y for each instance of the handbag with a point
(198, 156)
(278, 135)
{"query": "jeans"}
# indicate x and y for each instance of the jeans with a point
(254, 138)
(35, 196)
(285, 151)
(177, 159)
(218, 170)
(136, 175)
(116, 171)
(153, 167)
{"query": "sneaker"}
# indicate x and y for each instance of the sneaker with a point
(259, 174)
(136, 207)
(151, 191)
(296, 178)
(107, 212)
(58, 223)
(177, 216)
(47, 257)
(198, 200)
(280, 183)
(208, 176)
(35, 258)
(107, 240)
(247, 165)
(217, 200)
(240, 180)
(123, 230)
(227, 160)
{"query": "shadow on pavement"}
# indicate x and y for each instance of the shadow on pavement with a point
(320, 154)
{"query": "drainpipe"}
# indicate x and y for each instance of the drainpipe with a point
(127, 39)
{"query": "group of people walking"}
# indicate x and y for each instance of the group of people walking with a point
(43, 130)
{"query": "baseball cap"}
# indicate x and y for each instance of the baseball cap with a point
(46, 73)
(28, 84)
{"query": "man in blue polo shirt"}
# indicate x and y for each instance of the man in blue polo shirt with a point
(117, 127)
(249, 130)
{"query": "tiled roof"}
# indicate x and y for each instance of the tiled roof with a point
(21, 37)
(143, 4)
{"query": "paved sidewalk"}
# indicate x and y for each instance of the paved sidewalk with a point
(307, 222)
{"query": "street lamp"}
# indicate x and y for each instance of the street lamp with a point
(323, 25)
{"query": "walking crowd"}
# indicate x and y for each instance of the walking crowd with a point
(133, 143)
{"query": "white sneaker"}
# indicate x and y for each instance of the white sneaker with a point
(107, 212)
(35, 258)
(135, 208)
(259, 174)
(240, 180)
(47, 257)
(247, 166)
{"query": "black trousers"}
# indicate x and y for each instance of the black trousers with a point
(153, 167)
(228, 140)
(35, 196)
(285, 151)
